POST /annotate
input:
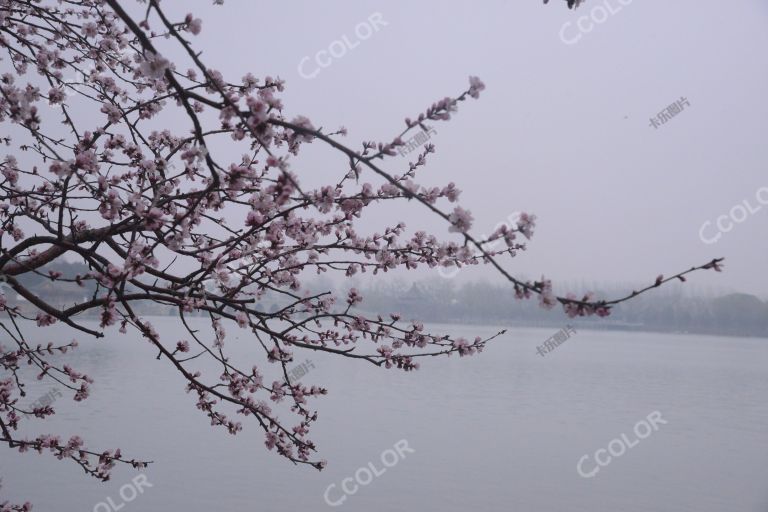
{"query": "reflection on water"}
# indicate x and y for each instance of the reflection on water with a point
(496, 432)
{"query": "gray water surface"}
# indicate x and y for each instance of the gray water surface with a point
(501, 431)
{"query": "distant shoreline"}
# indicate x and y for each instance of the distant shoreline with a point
(606, 325)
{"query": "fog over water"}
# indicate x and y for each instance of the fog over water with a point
(501, 431)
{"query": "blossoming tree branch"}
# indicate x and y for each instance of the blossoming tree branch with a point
(207, 217)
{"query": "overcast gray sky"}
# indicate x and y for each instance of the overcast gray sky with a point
(562, 130)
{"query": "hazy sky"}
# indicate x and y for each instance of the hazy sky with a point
(562, 130)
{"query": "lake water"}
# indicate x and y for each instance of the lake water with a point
(502, 431)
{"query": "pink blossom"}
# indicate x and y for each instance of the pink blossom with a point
(475, 86)
(547, 298)
(306, 124)
(87, 161)
(462, 346)
(56, 95)
(525, 224)
(354, 297)
(113, 113)
(44, 319)
(461, 220)
(194, 25)
(154, 66)
(242, 319)
(90, 29)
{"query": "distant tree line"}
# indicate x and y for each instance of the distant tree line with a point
(737, 314)
(444, 301)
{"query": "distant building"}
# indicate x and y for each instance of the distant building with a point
(61, 294)
(412, 302)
